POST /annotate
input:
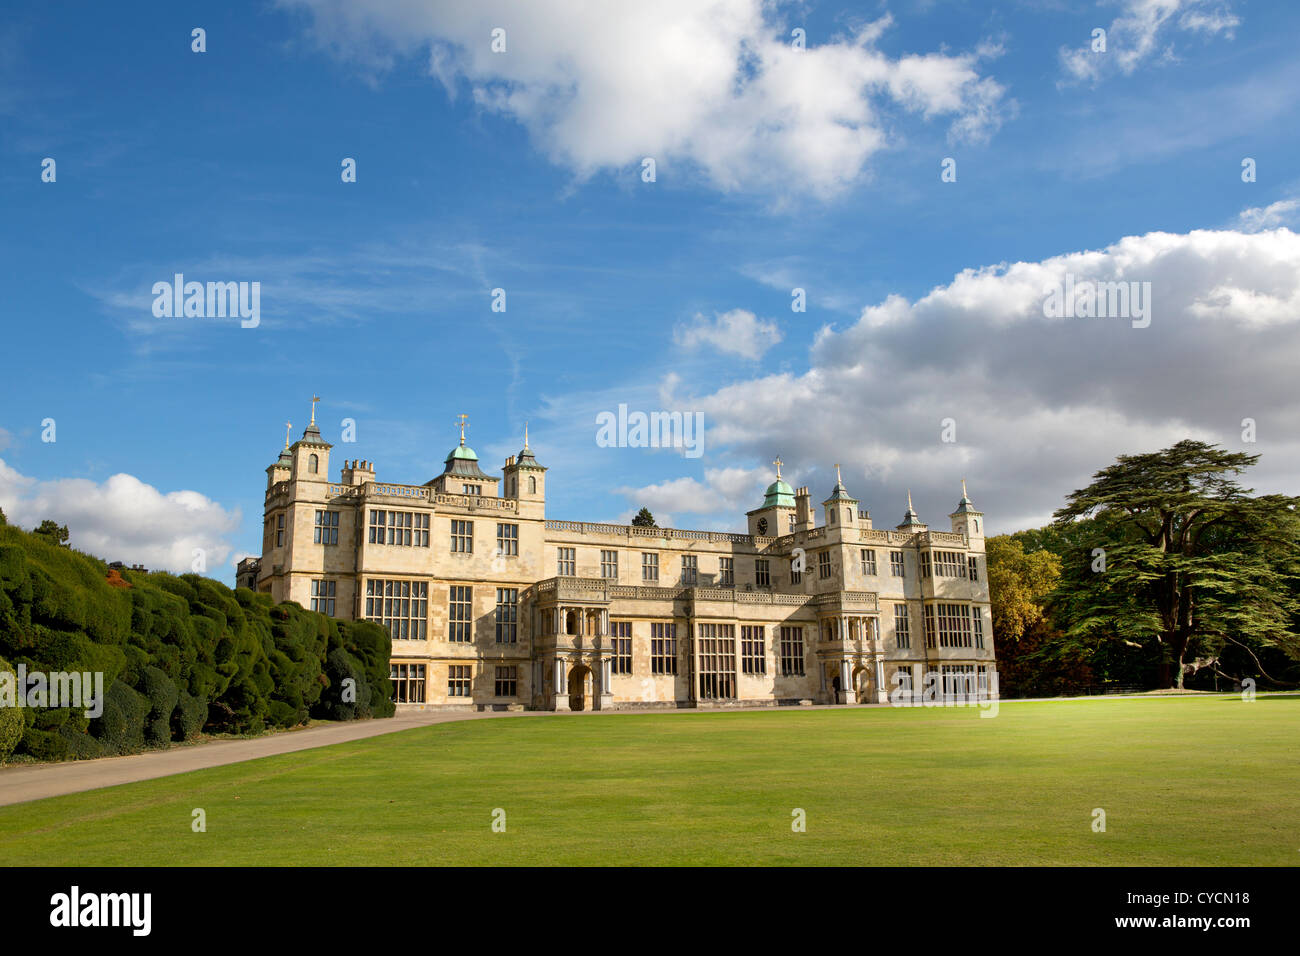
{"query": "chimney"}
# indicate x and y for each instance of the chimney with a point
(803, 520)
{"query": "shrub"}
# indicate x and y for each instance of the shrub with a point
(11, 720)
(43, 744)
(190, 715)
(162, 695)
(121, 727)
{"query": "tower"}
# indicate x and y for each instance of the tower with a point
(461, 474)
(841, 508)
(311, 453)
(777, 515)
(525, 480)
(280, 468)
(966, 520)
(911, 522)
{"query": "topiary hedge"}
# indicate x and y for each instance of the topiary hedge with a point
(179, 655)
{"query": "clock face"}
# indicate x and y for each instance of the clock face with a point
(762, 526)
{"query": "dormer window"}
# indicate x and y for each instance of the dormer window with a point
(474, 490)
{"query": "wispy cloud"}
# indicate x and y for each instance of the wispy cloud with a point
(1142, 34)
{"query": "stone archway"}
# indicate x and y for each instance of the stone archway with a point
(580, 689)
(861, 684)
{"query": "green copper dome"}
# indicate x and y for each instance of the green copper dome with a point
(463, 452)
(779, 495)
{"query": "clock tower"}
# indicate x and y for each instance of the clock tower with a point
(777, 515)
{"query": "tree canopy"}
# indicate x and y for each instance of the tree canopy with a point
(1168, 550)
(53, 530)
(644, 519)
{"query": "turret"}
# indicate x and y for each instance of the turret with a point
(911, 522)
(841, 508)
(311, 452)
(525, 478)
(280, 468)
(966, 520)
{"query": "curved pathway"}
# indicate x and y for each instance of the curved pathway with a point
(24, 782)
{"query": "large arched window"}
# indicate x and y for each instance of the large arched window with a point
(313, 463)
(532, 484)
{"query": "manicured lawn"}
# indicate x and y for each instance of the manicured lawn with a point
(1205, 780)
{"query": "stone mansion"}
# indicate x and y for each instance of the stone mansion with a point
(492, 605)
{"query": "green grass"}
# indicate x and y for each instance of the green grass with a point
(1205, 781)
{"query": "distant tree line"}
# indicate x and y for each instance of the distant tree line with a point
(180, 655)
(1164, 572)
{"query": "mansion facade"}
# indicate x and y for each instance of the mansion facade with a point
(491, 605)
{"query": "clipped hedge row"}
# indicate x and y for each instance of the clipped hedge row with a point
(179, 655)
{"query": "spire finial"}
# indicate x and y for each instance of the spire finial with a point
(525, 435)
(963, 489)
(462, 421)
(314, 400)
(287, 427)
(909, 499)
(778, 464)
(838, 481)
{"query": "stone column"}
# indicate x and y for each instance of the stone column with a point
(846, 682)
(606, 699)
(561, 690)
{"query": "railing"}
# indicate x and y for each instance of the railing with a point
(374, 489)
(650, 593)
(476, 501)
(867, 600)
(646, 592)
(944, 537)
(573, 587)
(635, 531)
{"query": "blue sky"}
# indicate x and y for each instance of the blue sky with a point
(522, 170)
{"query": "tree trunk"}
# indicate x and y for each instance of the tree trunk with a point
(1177, 648)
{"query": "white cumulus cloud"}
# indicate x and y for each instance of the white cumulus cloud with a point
(122, 518)
(715, 84)
(738, 332)
(1038, 404)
